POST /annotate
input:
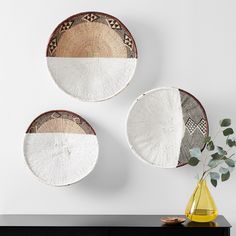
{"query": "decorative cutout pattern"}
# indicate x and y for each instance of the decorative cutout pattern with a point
(52, 45)
(202, 125)
(90, 17)
(128, 42)
(66, 25)
(113, 24)
(191, 126)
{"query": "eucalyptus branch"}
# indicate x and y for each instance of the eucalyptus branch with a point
(217, 158)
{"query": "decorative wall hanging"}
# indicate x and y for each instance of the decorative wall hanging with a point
(60, 147)
(92, 56)
(164, 124)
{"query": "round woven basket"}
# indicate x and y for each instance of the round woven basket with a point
(92, 56)
(164, 124)
(60, 147)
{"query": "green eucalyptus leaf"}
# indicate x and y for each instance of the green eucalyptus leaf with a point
(216, 156)
(193, 161)
(230, 162)
(221, 151)
(230, 142)
(195, 152)
(214, 182)
(214, 163)
(210, 146)
(223, 170)
(225, 176)
(207, 139)
(214, 175)
(225, 122)
(228, 131)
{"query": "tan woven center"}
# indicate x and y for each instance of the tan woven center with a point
(59, 125)
(91, 40)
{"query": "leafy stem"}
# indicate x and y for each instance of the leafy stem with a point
(216, 160)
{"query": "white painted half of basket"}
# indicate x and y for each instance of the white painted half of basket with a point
(60, 158)
(163, 124)
(92, 79)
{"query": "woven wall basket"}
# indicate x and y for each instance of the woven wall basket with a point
(60, 147)
(91, 56)
(163, 124)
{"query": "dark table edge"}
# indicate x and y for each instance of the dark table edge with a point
(103, 226)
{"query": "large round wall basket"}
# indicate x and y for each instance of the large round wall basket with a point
(163, 124)
(60, 147)
(92, 56)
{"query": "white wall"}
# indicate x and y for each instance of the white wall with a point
(183, 43)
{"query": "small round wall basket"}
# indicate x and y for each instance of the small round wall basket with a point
(163, 124)
(60, 147)
(92, 56)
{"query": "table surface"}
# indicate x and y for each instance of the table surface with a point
(100, 221)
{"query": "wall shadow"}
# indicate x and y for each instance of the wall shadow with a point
(111, 172)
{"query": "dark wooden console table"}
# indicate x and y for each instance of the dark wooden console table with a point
(106, 225)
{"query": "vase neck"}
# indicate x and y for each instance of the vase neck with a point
(202, 182)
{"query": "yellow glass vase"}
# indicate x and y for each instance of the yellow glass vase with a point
(201, 206)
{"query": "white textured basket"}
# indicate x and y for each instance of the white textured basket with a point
(159, 130)
(92, 56)
(60, 150)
